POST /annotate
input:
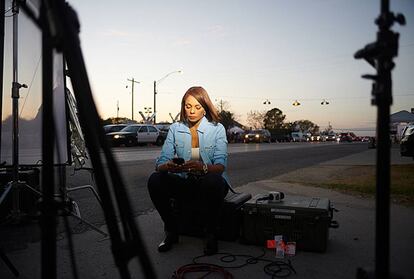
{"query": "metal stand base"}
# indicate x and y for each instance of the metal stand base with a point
(17, 216)
(9, 263)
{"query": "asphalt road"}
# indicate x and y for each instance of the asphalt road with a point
(246, 163)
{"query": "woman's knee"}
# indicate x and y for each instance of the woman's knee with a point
(214, 182)
(154, 182)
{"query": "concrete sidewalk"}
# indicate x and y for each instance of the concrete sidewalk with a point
(350, 246)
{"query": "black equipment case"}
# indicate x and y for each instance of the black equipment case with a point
(191, 223)
(304, 220)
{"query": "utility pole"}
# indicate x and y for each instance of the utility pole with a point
(117, 110)
(133, 81)
(155, 101)
(155, 91)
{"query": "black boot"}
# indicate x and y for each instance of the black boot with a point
(167, 243)
(211, 246)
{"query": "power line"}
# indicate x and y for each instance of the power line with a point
(306, 99)
(30, 86)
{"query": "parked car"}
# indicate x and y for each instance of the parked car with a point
(259, 135)
(163, 126)
(407, 142)
(316, 137)
(135, 134)
(298, 136)
(114, 128)
(330, 137)
(345, 137)
(365, 139)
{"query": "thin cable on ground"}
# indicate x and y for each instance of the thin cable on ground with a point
(273, 268)
(201, 268)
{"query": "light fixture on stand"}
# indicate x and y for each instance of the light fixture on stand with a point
(324, 102)
(296, 103)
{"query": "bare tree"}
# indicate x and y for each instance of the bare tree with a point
(255, 119)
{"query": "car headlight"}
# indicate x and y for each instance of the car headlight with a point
(119, 136)
(246, 136)
(257, 136)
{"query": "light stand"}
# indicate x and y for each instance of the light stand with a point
(2, 8)
(3, 256)
(14, 186)
(380, 55)
(60, 30)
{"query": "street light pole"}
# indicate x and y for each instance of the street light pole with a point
(117, 110)
(133, 81)
(155, 102)
(155, 91)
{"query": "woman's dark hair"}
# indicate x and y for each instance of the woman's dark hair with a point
(201, 95)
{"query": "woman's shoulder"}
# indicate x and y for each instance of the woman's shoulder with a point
(217, 126)
(178, 126)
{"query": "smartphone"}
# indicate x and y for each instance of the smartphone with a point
(178, 161)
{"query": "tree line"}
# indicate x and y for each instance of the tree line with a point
(272, 120)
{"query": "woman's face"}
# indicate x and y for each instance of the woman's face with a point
(193, 110)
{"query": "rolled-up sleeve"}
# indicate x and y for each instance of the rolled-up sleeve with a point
(220, 152)
(168, 149)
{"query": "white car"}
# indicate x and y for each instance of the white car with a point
(135, 134)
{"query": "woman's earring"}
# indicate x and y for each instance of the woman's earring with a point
(204, 113)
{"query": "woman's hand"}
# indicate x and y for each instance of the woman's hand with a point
(170, 166)
(192, 166)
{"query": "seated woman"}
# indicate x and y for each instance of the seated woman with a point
(201, 142)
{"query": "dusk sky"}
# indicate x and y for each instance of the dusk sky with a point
(243, 53)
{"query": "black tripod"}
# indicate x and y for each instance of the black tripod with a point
(15, 186)
(380, 55)
(60, 28)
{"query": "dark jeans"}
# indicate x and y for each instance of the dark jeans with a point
(207, 191)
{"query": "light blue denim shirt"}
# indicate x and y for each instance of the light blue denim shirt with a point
(212, 141)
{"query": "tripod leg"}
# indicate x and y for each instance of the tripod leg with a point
(90, 187)
(33, 190)
(8, 263)
(6, 192)
(92, 226)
